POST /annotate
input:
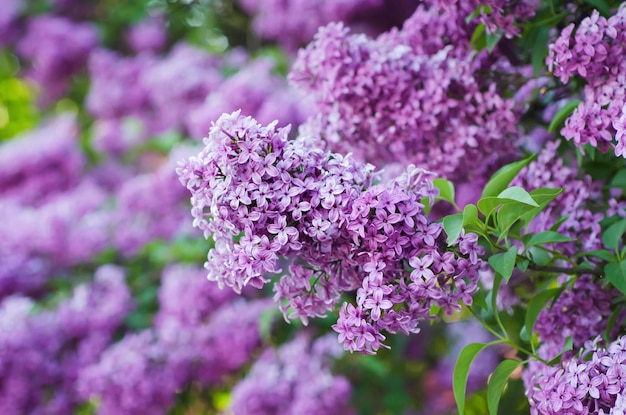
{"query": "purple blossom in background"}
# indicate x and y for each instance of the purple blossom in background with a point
(43, 352)
(406, 97)
(596, 54)
(139, 217)
(319, 209)
(149, 35)
(293, 23)
(8, 18)
(254, 90)
(132, 377)
(56, 48)
(294, 379)
(38, 164)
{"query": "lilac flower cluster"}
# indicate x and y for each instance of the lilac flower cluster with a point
(398, 99)
(194, 341)
(293, 23)
(148, 35)
(264, 197)
(56, 49)
(596, 53)
(499, 16)
(42, 353)
(593, 383)
(294, 379)
(40, 163)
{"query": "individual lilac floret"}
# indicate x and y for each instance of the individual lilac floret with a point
(40, 163)
(56, 48)
(294, 379)
(43, 352)
(262, 197)
(396, 99)
(595, 53)
(592, 383)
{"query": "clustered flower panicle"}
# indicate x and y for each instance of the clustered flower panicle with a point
(264, 198)
(596, 54)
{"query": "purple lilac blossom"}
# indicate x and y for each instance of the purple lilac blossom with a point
(149, 35)
(43, 352)
(56, 48)
(9, 14)
(499, 16)
(591, 383)
(139, 217)
(132, 377)
(292, 23)
(294, 379)
(400, 99)
(68, 230)
(319, 209)
(596, 54)
(254, 90)
(40, 163)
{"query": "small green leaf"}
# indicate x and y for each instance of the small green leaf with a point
(616, 274)
(492, 40)
(453, 224)
(540, 49)
(518, 194)
(461, 372)
(470, 215)
(548, 237)
(446, 189)
(613, 235)
(478, 33)
(562, 114)
(497, 382)
(619, 180)
(504, 263)
(501, 179)
(535, 306)
(599, 253)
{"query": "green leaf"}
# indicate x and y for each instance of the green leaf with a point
(602, 6)
(616, 274)
(497, 382)
(501, 179)
(504, 263)
(509, 214)
(613, 235)
(492, 40)
(518, 194)
(548, 237)
(446, 189)
(543, 196)
(478, 33)
(453, 224)
(619, 180)
(562, 114)
(461, 372)
(599, 253)
(470, 215)
(540, 49)
(535, 306)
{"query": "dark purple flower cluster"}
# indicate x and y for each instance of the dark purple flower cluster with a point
(596, 54)
(263, 198)
(56, 49)
(294, 379)
(408, 97)
(593, 383)
(43, 352)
